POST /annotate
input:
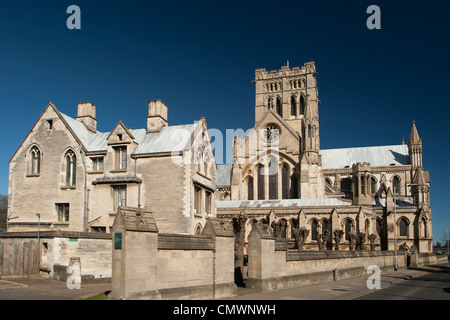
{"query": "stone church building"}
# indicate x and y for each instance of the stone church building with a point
(280, 176)
(75, 177)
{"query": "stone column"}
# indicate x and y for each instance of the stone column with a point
(134, 255)
(261, 249)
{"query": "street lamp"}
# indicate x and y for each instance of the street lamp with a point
(395, 234)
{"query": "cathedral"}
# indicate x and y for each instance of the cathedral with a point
(280, 176)
(68, 176)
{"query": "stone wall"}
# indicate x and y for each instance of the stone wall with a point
(58, 247)
(151, 265)
(274, 266)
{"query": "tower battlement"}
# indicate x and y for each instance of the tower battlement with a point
(285, 71)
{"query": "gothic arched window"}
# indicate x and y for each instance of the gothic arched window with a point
(324, 225)
(273, 178)
(35, 154)
(270, 102)
(403, 225)
(250, 188)
(279, 107)
(293, 227)
(314, 226)
(373, 185)
(348, 229)
(396, 185)
(261, 182)
(293, 106)
(302, 105)
(285, 182)
(71, 168)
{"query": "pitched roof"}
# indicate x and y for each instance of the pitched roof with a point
(376, 156)
(169, 139)
(281, 203)
(224, 175)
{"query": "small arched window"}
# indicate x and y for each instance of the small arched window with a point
(367, 227)
(293, 227)
(250, 188)
(71, 168)
(261, 182)
(302, 105)
(285, 182)
(324, 225)
(273, 178)
(35, 154)
(373, 185)
(279, 107)
(404, 226)
(293, 106)
(198, 230)
(314, 226)
(423, 228)
(270, 102)
(363, 185)
(396, 185)
(348, 229)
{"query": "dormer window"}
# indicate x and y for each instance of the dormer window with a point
(97, 164)
(120, 155)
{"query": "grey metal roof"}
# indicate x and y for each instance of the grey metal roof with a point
(280, 203)
(376, 156)
(169, 139)
(224, 175)
(400, 202)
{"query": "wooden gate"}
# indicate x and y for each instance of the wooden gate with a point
(19, 260)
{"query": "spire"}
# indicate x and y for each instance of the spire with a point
(419, 178)
(415, 147)
(414, 138)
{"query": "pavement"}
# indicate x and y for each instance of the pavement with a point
(356, 288)
(39, 288)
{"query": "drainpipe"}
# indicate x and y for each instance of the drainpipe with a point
(139, 183)
(85, 193)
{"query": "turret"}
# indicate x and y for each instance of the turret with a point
(415, 148)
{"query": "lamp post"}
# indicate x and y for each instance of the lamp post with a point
(395, 234)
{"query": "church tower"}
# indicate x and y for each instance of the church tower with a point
(293, 95)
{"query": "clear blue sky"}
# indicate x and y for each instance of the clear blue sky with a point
(200, 56)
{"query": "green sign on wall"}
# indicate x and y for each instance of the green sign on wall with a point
(118, 241)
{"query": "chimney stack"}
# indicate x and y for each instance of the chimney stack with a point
(157, 115)
(86, 115)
